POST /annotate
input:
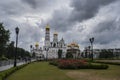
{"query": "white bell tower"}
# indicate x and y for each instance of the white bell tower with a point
(47, 37)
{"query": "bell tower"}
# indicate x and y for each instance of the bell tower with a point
(47, 36)
(55, 37)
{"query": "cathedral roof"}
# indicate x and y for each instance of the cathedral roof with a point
(73, 44)
(36, 44)
(55, 33)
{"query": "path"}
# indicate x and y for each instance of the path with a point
(4, 65)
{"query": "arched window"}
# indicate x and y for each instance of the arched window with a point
(54, 45)
(61, 45)
(51, 44)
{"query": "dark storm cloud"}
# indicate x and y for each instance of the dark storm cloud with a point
(64, 19)
(32, 3)
(60, 21)
(22, 7)
(86, 9)
(13, 8)
(108, 25)
(106, 32)
(40, 4)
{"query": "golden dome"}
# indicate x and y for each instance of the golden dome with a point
(55, 33)
(47, 26)
(77, 45)
(37, 44)
(68, 45)
(73, 44)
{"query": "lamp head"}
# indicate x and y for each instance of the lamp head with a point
(91, 39)
(17, 30)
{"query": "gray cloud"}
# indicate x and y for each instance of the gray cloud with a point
(60, 20)
(65, 20)
(106, 32)
(86, 9)
(32, 3)
(40, 3)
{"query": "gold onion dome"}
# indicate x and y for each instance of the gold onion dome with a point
(55, 33)
(47, 26)
(68, 45)
(37, 44)
(77, 45)
(73, 44)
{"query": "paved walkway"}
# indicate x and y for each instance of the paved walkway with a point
(8, 65)
(2, 68)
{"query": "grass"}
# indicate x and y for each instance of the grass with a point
(44, 71)
(112, 73)
(39, 71)
(6, 73)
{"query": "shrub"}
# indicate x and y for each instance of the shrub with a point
(54, 62)
(112, 63)
(3, 58)
(77, 64)
(100, 66)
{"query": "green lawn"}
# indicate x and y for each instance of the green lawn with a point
(113, 73)
(44, 71)
(39, 71)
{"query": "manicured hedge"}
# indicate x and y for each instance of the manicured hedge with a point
(8, 72)
(112, 63)
(54, 62)
(77, 64)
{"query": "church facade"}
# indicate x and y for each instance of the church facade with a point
(51, 47)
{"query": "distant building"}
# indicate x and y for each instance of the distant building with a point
(51, 48)
(116, 52)
(73, 50)
(38, 52)
(97, 52)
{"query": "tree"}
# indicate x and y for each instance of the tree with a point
(7, 49)
(59, 53)
(4, 38)
(69, 55)
(10, 50)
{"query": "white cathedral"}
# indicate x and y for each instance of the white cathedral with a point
(50, 48)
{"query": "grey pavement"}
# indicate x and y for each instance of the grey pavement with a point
(4, 65)
(2, 68)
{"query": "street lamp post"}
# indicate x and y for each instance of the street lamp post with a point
(91, 41)
(17, 32)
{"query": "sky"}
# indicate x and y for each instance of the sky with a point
(74, 20)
